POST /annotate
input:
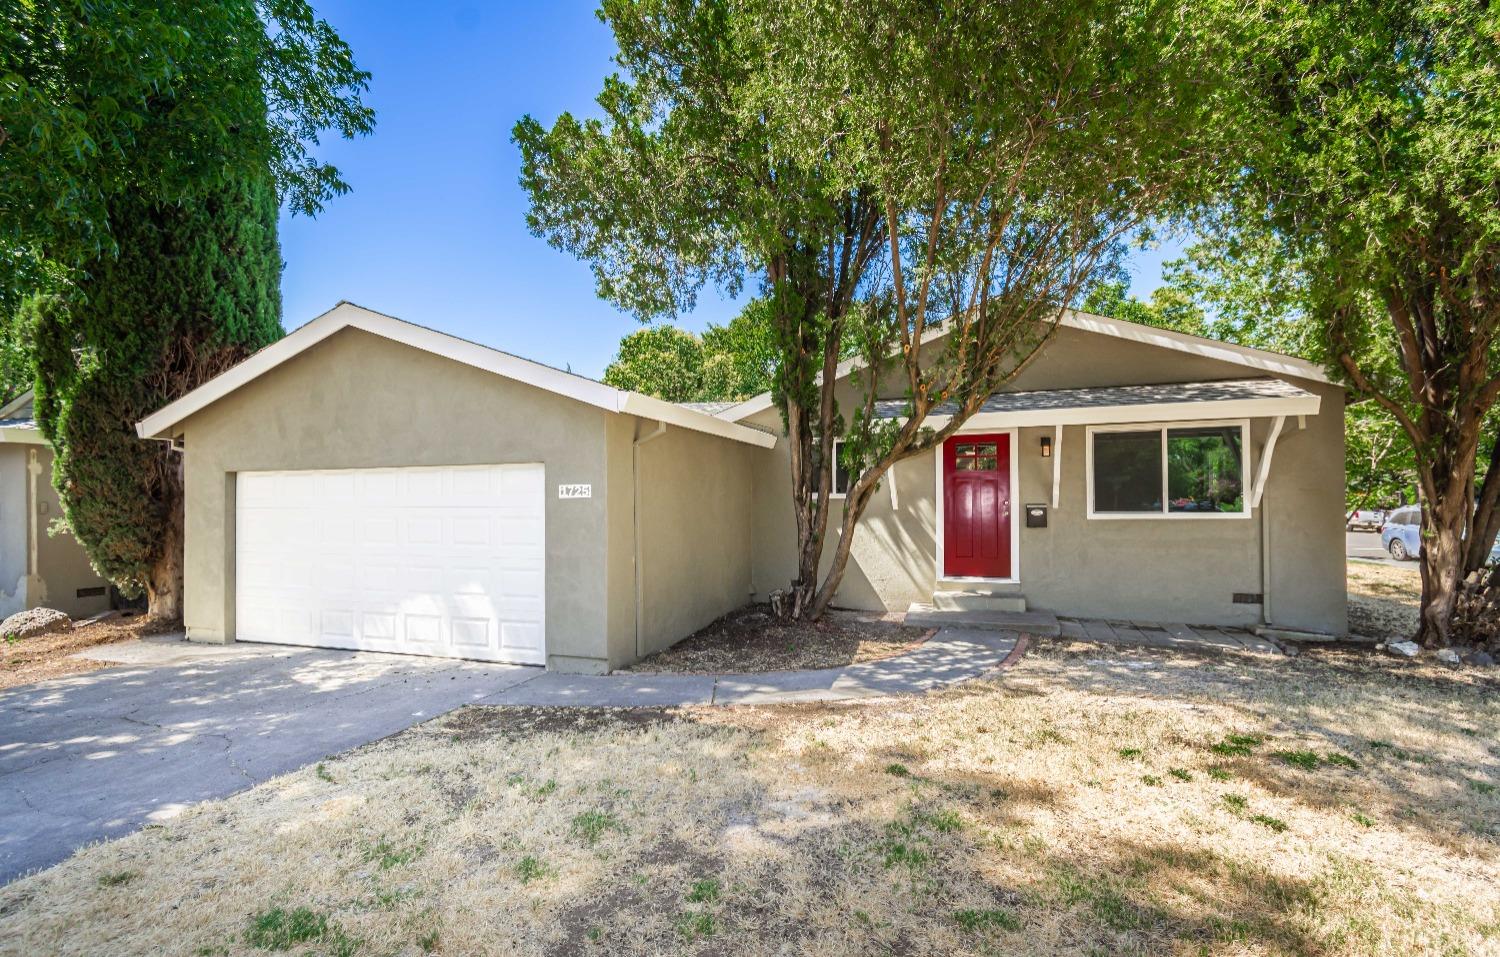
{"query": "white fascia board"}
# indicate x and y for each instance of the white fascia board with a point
(347, 315)
(1126, 414)
(647, 407)
(1272, 362)
(9, 409)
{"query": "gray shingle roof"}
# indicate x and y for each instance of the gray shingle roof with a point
(711, 408)
(18, 424)
(1126, 395)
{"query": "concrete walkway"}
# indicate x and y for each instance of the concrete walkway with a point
(97, 755)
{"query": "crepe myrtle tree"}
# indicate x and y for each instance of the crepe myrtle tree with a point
(678, 185)
(1009, 155)
(1371, 144)
(882, 171)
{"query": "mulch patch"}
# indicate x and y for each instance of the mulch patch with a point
(42, 657)
(753, 640)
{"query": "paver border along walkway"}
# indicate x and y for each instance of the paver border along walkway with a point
(1154, 635)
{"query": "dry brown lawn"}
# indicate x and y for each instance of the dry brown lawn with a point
(27, 660)
(1089, 801)
(751, 639)
(1383, 600)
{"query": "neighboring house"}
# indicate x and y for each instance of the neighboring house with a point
(369, 483)
(37, 568)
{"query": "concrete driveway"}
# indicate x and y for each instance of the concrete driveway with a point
(99, 755)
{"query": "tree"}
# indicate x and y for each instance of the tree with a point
(663, 361)
(680, 185)
(1168, 307)
(1370, 141)
(193, 290)
(1010, 155)
(142, 147)
(729, 363)
(739, 360)
(171, 99)
(886, 170)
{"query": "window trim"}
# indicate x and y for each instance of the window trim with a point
(1247, 511)
(833, 492)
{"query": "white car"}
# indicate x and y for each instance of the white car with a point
(1369, 519)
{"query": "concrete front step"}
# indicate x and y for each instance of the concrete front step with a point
(1040, 623)
(977, 600)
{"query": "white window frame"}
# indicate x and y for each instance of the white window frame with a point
(1163, 427)
(834, 492)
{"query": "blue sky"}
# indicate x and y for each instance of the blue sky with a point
(434, 230)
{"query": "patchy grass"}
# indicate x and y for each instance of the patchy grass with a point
(1383, 600)
(769, 831)
(751, 639)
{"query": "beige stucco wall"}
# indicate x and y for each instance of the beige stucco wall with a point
(357, 400)
(13, 523)
(360, 401)
(694, 497)
(28, 505)
(1144, 569)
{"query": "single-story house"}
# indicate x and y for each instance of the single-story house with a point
(37, 568)
(370, 483)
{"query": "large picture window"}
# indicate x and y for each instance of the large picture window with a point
(1177, 471)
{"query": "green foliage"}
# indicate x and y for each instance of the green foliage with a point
(1369, 141)
(977, 920)
(706, 891)
(728, 363)
(663, 361)
(195, 288)
(590, 826)
(1167, 308)
(878, 169)
(282, 929)
(171, 101)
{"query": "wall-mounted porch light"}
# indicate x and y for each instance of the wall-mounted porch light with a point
(1046, 446)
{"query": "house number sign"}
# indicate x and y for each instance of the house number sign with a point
(575, 491)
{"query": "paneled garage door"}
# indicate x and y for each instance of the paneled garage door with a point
(426, 561)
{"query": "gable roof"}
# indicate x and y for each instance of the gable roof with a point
(1260, 360)
(19, 407)
(18, 421)
(347, 315)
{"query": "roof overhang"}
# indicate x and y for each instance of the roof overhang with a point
(1259, 360)
(21, 434)
(164, 423)
(1176, 402)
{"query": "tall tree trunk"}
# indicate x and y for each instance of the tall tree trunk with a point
(164, 590)
(1442, 557)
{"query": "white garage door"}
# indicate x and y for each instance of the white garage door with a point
(426, 561)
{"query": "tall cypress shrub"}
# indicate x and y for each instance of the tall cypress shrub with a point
(194, 289)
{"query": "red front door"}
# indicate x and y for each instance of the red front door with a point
(976, 506)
